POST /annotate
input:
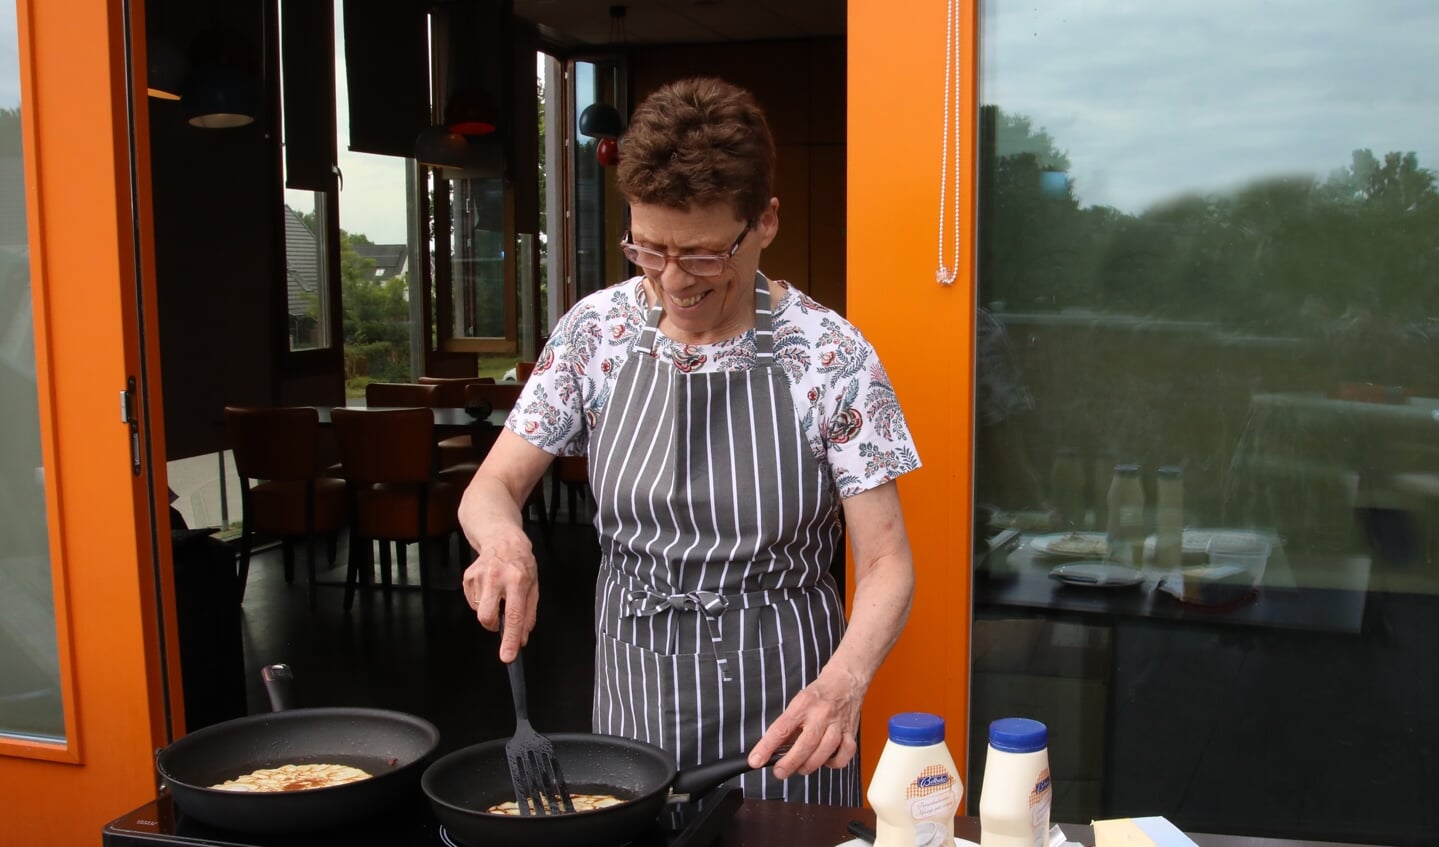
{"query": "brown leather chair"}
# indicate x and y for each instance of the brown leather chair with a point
(482, 436)
(451, 389)
(396, 494)
(400, 394)
(573, 472)
(278, 450)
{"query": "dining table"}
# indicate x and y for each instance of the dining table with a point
(1299, 591)
(446, 417)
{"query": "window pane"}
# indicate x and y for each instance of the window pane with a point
(1209, 239)
(306, 274)
(376, 250)
(477, 251)
(30, 702)
(595, 196)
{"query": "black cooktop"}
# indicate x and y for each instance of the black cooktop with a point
(694, 824)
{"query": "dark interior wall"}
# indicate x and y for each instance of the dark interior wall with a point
(219, 256)
(801, 86)
(218, 276)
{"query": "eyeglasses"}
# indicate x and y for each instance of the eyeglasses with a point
(695, 264)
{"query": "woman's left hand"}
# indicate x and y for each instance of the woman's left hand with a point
(821, 722)
(819, 726)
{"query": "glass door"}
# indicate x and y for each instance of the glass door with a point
(1207, 252)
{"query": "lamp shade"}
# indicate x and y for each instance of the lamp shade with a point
(470, 112)
(601, 120)
(439, 147)
(219, 96)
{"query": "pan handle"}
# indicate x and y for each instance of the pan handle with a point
(702, 778)
(280, 685)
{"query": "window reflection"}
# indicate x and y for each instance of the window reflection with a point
(30, 703)
(1209, 238)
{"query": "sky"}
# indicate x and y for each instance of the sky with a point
(372, 200)
(1151, 100)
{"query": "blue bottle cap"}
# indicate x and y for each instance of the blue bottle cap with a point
(1018, 735)
(916, 729)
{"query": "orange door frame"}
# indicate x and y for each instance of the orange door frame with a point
(84, 210)
(924, 332)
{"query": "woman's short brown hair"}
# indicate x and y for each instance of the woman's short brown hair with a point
(699, 142)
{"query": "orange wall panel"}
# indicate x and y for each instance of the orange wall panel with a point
(924, 334)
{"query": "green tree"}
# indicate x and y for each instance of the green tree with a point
(375, 314)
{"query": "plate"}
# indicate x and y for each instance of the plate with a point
(1071, 545)
(1097, 574)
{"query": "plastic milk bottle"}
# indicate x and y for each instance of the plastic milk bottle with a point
(915, 790)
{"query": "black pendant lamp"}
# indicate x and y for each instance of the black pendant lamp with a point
(222, 89)
(601, 120)
(219, 96)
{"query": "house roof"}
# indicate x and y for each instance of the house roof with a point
(390, 259)
(302, 262)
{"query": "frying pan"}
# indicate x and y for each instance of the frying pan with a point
(392, 746)
(462, 784)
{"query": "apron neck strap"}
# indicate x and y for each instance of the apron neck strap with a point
(763, 325)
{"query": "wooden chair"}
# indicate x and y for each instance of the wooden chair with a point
(573, 472)
(400, 394)
(482, 437)
(523, 371)
(396, 494)
(450, 390)
(278, 450)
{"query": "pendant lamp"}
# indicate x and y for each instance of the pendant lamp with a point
(222, 89)
(441, 147)
(466, 134)
(470, 112)
(218, 96)
(601, 120)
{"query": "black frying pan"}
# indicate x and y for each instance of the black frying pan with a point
(464, 783)
(392, 746)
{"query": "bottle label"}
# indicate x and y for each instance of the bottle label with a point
(933, 794)
(1039, 803)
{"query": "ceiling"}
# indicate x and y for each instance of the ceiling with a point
(587, 23)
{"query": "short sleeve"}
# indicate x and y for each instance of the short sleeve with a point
(572, 375)
(867, 441)
(847, 402)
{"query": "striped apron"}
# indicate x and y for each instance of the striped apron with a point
(717, 528)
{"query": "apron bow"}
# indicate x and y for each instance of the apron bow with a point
(644, 603)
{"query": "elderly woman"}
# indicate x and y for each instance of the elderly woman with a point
(734, 429)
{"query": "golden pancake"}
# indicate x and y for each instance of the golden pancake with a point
(294, 778)
(583, 803)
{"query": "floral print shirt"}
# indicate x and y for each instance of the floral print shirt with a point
(847, 406)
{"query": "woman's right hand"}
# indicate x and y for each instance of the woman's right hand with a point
(504, 578)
